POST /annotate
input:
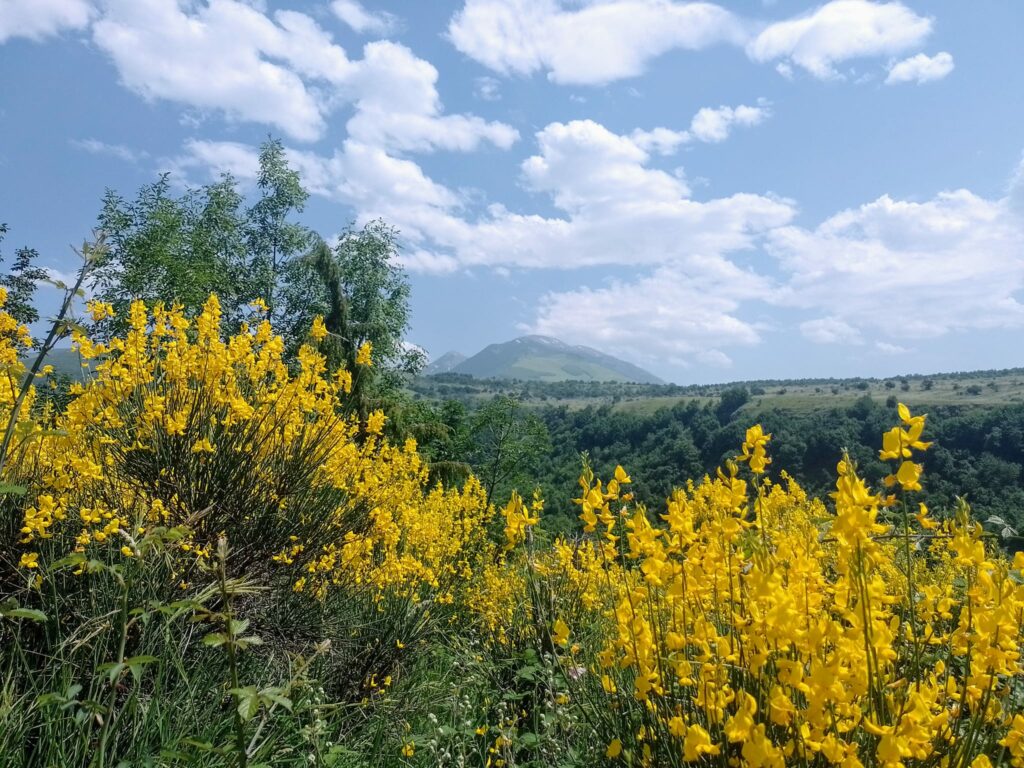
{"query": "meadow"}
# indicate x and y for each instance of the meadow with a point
(212, 556)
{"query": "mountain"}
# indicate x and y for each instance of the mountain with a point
(542, 358)
(445, 363)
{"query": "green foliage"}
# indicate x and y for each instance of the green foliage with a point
(505, 443)
(21, 282)
(174, 249)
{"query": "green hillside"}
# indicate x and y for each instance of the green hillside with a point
(542, 358)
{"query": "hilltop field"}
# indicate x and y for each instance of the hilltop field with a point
(971, 388)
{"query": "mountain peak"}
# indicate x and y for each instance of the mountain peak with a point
(544, 358)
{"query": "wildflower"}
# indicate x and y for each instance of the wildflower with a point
(517, 521)
(375, 422)
(99, 310)
(755, 449)
(364, 354)
(697, 743)
(203, 446)
(409, 749)
(560, 633)
(29, 560)
(319, 330)
(614, 749)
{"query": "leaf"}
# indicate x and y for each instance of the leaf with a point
(112, 668)
(215, 639)
(10, 489)
(24, 613)
(248, 702)
(70, 561)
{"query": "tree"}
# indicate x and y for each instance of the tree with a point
(173, 249)
(363, 295)
(505, 444)
(273, 240)
(169, 248)
(21, 282)
(730, 401)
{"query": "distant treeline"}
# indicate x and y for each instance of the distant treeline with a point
(977, 452)
(466, 388)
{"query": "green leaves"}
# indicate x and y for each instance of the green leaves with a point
(249, 700)
(10, 610)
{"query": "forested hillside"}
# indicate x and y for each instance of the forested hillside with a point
(669, 433)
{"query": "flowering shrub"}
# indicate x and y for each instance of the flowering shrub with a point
(197, 479)
(751, 626)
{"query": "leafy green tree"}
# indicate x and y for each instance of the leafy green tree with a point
(170, 248)
(181, 248)
(273, 240)
(505, 445)
(363, 295)
(21, 282)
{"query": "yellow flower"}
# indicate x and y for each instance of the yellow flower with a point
(697, 743)
(203, 446)
(364, 355)
(409, 749)
(99, 310)
(560, 633)
(375, 422)
(614, 749)
(127, 551)
(30, 560)
(319, 331)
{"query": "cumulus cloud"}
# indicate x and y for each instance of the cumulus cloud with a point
(675, 314)
(905, 269)
(714, 124)
(37, 19)
(839, 31)
(590, 43)
(612, 206)
(284, 70)
(830, 330)
(593, 43)
(363, 21)
(397, 106)
(225, 56)
(920, 69)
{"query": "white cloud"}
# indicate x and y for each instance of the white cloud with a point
(363, 21)
(674, 314)
(487, 88)
(614, 208)
(830, 330)
(920, 69)
(714, 125)
(662, 141)
(839, 31)
(216, 158)
(397, 106)
(708, 125)
(225, 56)
(586, 44)
(593, 42)
(909, 269)
(282, 70)
(890, 349)
(36, 19)
(121, 152)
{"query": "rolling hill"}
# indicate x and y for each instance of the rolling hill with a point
(446, 363)
(542, 358)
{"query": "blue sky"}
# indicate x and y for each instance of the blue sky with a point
(712, 191)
